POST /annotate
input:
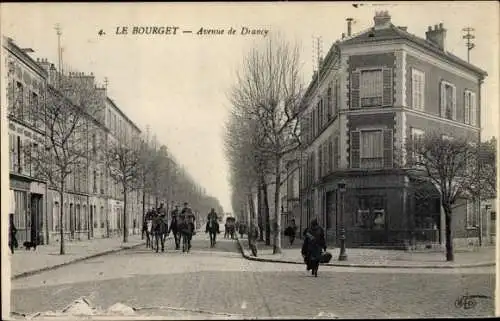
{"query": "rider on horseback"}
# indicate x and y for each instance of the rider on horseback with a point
(187, 227)
(174, 226)
(212, 226)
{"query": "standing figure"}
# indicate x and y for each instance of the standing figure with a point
(212, 227)
(253, 234)
(291, 231)
(160, 231)
(174, 227)
(314, 243)
(12, 234)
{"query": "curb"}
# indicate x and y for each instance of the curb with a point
(458, 266)
(53, 267)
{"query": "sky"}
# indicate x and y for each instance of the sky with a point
(178, 84)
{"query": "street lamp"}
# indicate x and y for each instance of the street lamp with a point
(342, 189)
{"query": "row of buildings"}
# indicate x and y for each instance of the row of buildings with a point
(93, 202)
(372, 91)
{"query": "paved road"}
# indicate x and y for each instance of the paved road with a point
(209, 281)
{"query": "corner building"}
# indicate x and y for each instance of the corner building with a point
(372, 91)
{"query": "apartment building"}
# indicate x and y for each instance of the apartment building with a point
(372, 91)
(26, 85)
(93, 204)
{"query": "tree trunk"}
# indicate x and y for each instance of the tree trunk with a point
(61, 216)
(143, 211)
(125, 229)
(260, 214)
(277, 210)
(449, 239)
(266, 214)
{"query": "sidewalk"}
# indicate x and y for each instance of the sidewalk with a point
(46, 257)
(370, 258)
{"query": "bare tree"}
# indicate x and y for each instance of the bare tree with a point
(450, 164)
(123, 160)
(68, 108)
(271, 89)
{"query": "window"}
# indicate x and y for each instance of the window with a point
(470, 109)
(19, 100)
(471, 214)
(33, 158)
(370, 213)
(371, 151)
(336, 152)
(448, 101)
(418, 89)
(371, 148)
(416, 138)
(330, 103)
(94, 144)
(19, 154)
(371, 88)
(13, 152)
(94, 181)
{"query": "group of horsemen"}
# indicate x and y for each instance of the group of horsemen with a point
(182, 225)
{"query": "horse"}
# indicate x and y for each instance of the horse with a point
(160, 231)
(212, 229)
(175, 229)
(187, 231)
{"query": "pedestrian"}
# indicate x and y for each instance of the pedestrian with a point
(12, 234)
(291, 231)
(314, 244)
(253, 234)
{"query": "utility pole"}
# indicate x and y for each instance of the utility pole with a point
(59, 50)
(469, 38)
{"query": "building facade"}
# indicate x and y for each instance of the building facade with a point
(93, 203)
(26, 85)
(373, 90)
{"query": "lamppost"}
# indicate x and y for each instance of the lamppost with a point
(487, 208)
(342, 255)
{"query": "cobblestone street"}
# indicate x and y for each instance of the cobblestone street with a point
(220, 283)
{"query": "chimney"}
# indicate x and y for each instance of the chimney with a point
(343, 35)
(436, 36)
(403, 28)
(349, 26)
(382, 20)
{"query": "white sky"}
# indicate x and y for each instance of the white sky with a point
(178, 84)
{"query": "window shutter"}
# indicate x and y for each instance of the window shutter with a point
(454, 106)
(336, 152)
(330, 154)
(20, 154)
(387, 98)
(443, 100)
(355, 144)
(354, 102)
(467, 106)
(326, 158)
(329, 102)
(320, 161)
(388, 145)
(473, 108)
(336, 96)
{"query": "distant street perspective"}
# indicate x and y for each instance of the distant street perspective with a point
(165, 172)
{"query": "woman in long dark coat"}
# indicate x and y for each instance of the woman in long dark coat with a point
(314, 244)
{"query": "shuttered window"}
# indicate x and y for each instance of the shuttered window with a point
(388, 148)
(326, 158)
(329, 99)
(354, 82)
(448, 101)
(470, 110)
(320, 161)
(354, 147)
(336, 151)
(417, 88)
(331, 155)
(371, 88)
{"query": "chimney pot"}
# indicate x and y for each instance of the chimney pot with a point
(343, 35)
(435, 27)
(382, 20)
(429, 28)
(441, 26)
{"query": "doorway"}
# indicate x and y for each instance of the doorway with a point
(36, 218)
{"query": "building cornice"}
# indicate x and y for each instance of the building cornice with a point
(16, 51)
